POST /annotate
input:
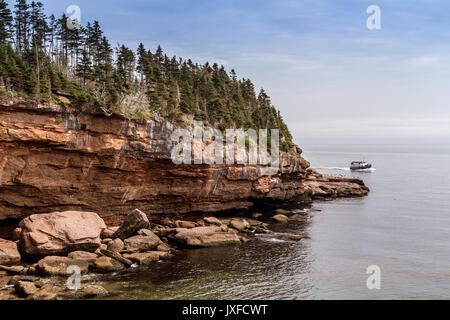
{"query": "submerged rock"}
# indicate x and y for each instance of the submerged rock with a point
(93, 291)
(257, 215)
(9, 254)
(280, 218)
(60, 233)
(135, 221)
(296, 237)
(25, 288)
(46, 292)
(206, 237)
(106, 264)
(59, 266)
(282, 211)
(163, 247)
(143, 258)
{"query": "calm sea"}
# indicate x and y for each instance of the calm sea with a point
(403, 227)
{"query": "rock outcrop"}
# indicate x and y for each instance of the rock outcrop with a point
(134, 222)
(53, 158)
(206, 237)
(9, 254)
(60, 233)
(59, 266)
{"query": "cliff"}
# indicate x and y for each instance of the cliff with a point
(55, 159)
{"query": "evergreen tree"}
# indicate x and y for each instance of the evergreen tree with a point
(22, 25)
(6, 20)
(84, 68)
(80, 61)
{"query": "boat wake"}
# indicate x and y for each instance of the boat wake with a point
(333, 168)
(366, 170)
(345, 169)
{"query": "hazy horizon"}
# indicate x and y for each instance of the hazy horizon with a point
(333, 79)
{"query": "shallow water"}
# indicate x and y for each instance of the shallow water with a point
(403, 227)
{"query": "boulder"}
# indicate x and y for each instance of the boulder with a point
(9, 254)
(116, 245)
(184, 224)
(93, 291)
(163, 247)
(89, 257)
(145, 232)
(143, 258)
(282, 211)
(212, 236)
(14, 269)
(47, 292)
(16, 234)
(164, 254)
(213, 220)
(4, 280)
(239, 224)
(18, 278)
(59, 233)
(142, 243)
(297, 217)
(108, 233)
(117, 256)
(106, 264)
(280, 218)
(59, 266)
(25, 288)
(257, 215)
(135, 221)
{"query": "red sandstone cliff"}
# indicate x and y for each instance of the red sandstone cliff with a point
(53, 159)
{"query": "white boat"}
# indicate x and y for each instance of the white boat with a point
(360, 165)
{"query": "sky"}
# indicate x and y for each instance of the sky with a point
(334, 80)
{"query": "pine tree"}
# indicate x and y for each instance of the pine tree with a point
(6, 20)
(125, 66)
(84, 68)
(22, 25)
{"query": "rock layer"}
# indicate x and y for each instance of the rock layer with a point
(55, 159)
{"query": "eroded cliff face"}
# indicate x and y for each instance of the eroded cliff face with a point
(53, 159)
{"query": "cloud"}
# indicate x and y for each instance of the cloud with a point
(425, 61)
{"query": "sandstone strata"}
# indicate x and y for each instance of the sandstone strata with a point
(55, 159)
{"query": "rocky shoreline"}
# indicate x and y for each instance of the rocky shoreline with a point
(38, 262)
(53, 158)
(67, 180)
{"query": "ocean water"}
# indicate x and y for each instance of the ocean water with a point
(403, 227)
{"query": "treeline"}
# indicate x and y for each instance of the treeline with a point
(43, 57)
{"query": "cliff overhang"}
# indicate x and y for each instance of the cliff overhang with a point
(53, 158)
